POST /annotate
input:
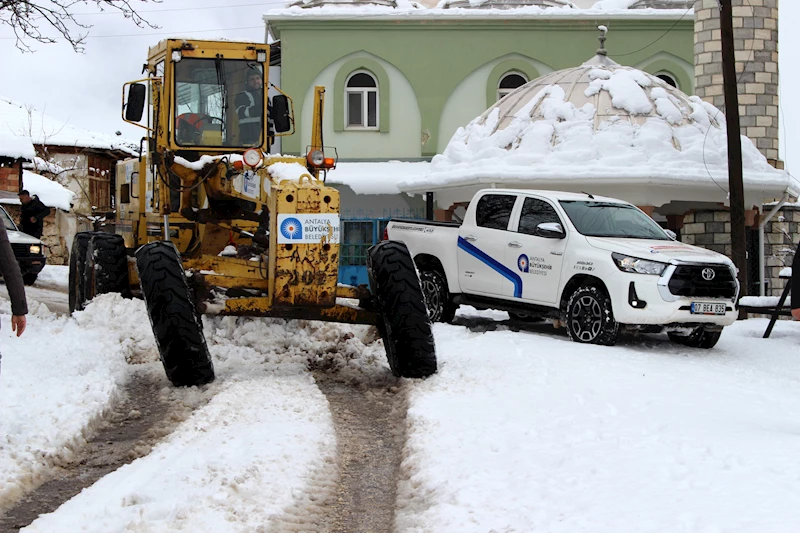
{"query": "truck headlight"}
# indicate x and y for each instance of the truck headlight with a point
(35, 249)
(638, 266)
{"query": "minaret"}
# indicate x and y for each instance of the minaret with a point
(755, 25)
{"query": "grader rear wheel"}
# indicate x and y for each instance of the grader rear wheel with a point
(176, 326)
(106, 266)
(77, 262)
(403, 320)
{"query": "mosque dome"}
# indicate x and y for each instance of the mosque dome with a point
(602, 127)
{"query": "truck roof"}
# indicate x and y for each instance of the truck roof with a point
(558, 195)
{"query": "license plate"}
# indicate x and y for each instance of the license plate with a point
(699, 308)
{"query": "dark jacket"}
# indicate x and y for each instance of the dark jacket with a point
(9, 268)
(250, 110)
(36, 210)
(796, 280)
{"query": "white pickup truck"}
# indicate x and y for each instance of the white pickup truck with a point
(592, 264)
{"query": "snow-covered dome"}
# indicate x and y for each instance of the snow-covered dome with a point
(502, 4)
(606, 127)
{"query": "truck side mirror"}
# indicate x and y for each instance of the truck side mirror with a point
(125, 193)
(550, 230)
(281, 116)
(134, 107)
(671, 234)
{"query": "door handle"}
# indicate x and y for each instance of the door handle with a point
(515, 244)
(470, 238)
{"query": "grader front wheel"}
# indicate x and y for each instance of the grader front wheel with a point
(176, 326)
(403, 320)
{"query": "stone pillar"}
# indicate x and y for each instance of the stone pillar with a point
(755, 25)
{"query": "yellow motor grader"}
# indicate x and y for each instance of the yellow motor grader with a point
(208, 223)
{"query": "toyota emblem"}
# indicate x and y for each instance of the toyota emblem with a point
(708, 274)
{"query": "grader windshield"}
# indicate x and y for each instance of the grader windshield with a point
(219, 103)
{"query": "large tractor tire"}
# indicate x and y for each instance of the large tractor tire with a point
(176, 325)
(403, 320)
(106, 266)
(77, 264)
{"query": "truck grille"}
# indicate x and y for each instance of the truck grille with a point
(688, 280)
(21, 249)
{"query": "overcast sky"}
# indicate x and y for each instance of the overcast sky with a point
(85, 89)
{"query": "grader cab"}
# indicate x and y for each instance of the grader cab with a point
(207, 222)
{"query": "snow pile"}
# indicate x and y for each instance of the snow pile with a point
(288, 171)
(597, 121)
(23, 121)
(56, 382)
(52, 194)
(417, 10)
(531, 432)
(54, 277)
(376, 178)
(16, 147)
(235, 463)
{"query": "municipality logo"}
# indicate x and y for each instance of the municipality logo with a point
(522, 263)
(292, 229)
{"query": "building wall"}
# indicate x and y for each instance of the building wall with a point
(711, 230)
(9, 177)
(756, 43)
(436, 57)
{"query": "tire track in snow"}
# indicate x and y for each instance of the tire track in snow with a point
(144, 416)
(369, 418)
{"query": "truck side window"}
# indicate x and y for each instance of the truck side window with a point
(494, 211)
(535, 212)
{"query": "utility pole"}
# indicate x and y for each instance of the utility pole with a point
(735, 174)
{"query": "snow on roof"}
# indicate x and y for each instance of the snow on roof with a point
(16, 147)
(406, 9)
(20, 121)
(376, 178)
(597, 122)
(49, 192)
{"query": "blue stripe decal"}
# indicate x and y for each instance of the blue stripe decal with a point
(501, 269)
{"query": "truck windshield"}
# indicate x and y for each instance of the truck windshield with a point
(219, 102)
(7, 222)
(605, 219)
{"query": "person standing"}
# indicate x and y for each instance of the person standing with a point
(33, 214)
(9, 268)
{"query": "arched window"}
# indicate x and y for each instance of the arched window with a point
(509, 82)
(361, 101)
(668, 79)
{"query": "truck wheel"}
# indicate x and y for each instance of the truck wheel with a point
(699, 338)
(29, 278)
(77, 261)
(106, 266)
(590, 318)
(403, 320)
(437, 297)
(176, 326)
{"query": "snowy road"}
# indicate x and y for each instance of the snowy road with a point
(520, 430)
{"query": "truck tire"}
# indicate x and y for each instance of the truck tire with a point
(106, 266)
(77, 262)
(29, 278)
(176, 326)
(699, 338)
(589, 317)
(437, 298)
(403, 320)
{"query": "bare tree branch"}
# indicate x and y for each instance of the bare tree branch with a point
(32, 20)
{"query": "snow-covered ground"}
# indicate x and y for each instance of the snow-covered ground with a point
(519, 431)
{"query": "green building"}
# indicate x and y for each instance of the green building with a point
(402, 77)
